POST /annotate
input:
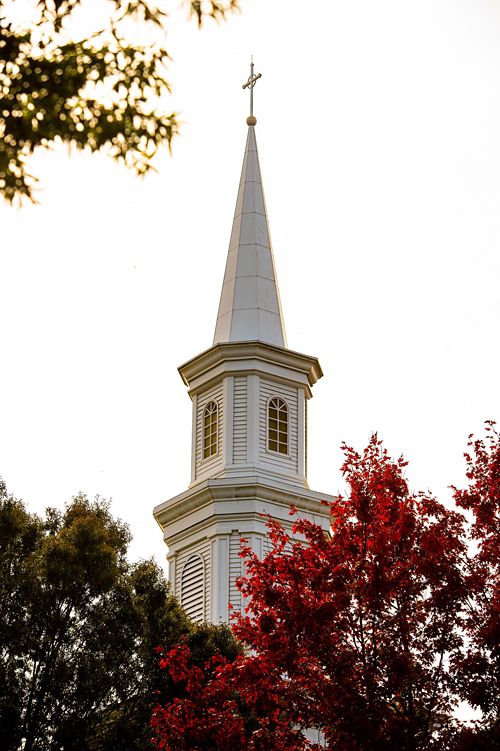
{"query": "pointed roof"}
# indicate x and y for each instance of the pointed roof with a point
(249, 308)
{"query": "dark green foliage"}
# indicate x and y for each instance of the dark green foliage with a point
(100, 89)
(78, 631)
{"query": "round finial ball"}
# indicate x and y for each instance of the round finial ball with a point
(251, 120)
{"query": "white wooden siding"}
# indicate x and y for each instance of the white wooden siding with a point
(235, 569)
(240, 420)
(195, 592)
(269, 389)
(213, 464)
(267, 546)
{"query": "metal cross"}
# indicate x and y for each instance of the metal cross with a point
(252, 80)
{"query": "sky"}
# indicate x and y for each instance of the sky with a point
(378, 133)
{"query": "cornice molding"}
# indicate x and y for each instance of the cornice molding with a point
(252, 489)
(270, 354)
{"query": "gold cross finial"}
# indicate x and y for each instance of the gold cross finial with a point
(252, 80)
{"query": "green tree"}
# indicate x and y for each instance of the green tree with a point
(102, 89)
(79, 628)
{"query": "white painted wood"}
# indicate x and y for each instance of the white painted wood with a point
(235, 569)
(301, 433)
(221, 558)
(172, 572)
(193, 437)
(214, 574)
(257, 542)
(306, 426)
(227, 421)
(267, 546)
(240, 411)
(252, 418)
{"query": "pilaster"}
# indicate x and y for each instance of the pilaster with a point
(228, 396)
(301, 431)
(252, 419)
(220, 579)
(193, 437)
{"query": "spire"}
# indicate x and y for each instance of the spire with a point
(249, 308)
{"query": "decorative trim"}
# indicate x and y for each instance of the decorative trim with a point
(227, 420)
(253, 388)
(212, 491)
(237, 351)
(220, 580)
(193, 437)
(301, 433)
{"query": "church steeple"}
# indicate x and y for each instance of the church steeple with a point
(249, 422)
(249, 308)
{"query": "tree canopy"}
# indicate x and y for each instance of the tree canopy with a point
(369, 638)
(78, 632)
(102, 88)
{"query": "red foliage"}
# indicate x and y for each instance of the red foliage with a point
(479, 670)
(229, 706)
(371, 635)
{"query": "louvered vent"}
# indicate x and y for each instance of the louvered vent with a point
(192, 588)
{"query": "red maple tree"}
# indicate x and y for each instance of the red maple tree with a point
(372, 635)
(478, 671)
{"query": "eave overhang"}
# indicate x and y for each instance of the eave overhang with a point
(214, 501)
(233, 357)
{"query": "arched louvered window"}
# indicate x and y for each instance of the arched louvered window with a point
(277, 425)
(210, 430)
(193, 587)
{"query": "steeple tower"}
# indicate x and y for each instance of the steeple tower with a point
(249, 427)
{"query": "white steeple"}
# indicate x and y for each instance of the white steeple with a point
(249, 308)
(249, 422)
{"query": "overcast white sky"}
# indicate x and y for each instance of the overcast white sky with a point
(379, 139)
